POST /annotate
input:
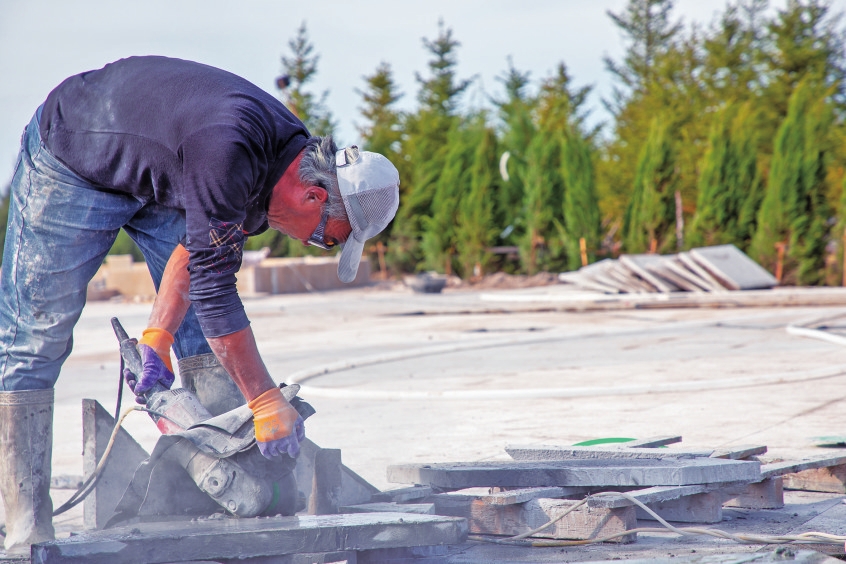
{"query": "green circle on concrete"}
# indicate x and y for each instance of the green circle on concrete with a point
(605, 441)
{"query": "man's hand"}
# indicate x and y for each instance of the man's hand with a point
(154, 371)
(279, 428)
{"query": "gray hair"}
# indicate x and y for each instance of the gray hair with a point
(317, 168)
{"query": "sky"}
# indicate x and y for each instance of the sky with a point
(44, 41)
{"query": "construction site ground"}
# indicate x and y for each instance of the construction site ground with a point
(383, 362)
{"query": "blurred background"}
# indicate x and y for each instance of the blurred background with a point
(534, 136)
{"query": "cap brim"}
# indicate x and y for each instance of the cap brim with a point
(350, 259)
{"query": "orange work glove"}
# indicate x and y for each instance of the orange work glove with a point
(279, 428)
(160, 341)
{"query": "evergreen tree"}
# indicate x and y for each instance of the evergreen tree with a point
(795, 209)
(730, 183)
(439, 228)
(515, 112)
(649, 221)
(558, 109)
(297, 71)
(475, 228)
(425, 146)
(581, 201)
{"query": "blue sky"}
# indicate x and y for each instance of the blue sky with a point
(44, 41)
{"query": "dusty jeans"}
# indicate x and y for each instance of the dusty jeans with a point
(59, 231)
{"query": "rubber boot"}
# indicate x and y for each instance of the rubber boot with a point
(26, 449)
(204, 376)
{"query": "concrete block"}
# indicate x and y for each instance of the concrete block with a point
(126, 455)
(326, 482)
(400, 495)
(698, 508)
(791, 467)
(354, 489)
(411, 555)
(296, 275)
(221, 539)
(522, 495)
(602, 473)
(767, 494)
(345, 557)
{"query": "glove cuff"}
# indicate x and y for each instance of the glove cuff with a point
(270, 416)
(160, 340)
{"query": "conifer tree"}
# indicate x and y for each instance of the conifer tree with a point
(425, 145)
(515, 112)
(475, 227)
(650, 216)
(4, 215)
(795, 209)
(581, 201)
(730, 183)
(300, 68)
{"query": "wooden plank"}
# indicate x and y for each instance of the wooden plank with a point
(790, 467)
(733, 268)
(220, 539)
(612, 472)
(740, 452)
(652, 442)
(510, 520)
(555, 452)
(829, 479)
(767, 494)
(522, 495)
(390, 507)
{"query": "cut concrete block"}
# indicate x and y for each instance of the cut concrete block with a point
(354, 488)
(740, 452)
(698, 508)
(400, 495)
(126, 455)
(791, 467)
(554, 452)
(688, 262)
(522, 495)
(510, 520)
(220, 539)
(611, 472)
(345, 557)
(733, 268)
(326, 482)
(390, 507)
(410, 555)
(653, 442)
(767, 494)
(660, 494)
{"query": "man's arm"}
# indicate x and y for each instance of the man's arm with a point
(172, 299)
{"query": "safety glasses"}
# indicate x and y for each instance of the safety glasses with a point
(317, 238)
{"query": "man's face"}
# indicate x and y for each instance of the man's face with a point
(297, 213)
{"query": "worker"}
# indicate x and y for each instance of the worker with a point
(189, 160)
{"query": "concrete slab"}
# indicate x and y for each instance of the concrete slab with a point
(733, 268)
(213, 539)
(556, 452)
(600, 473)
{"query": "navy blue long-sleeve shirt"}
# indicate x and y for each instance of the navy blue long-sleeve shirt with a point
(190, 137)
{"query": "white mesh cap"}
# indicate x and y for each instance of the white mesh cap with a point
(369, 186)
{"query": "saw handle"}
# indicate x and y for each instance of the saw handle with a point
(131, 356)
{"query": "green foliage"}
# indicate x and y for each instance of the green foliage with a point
(301, 67)
(650, 215)
(124, 245)
(730, 182)
(581, 201)
(795, 209)
(425, 147)
(475, 229)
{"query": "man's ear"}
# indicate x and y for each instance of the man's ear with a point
(316, 194)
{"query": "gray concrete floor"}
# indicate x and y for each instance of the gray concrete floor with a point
(718, 377)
